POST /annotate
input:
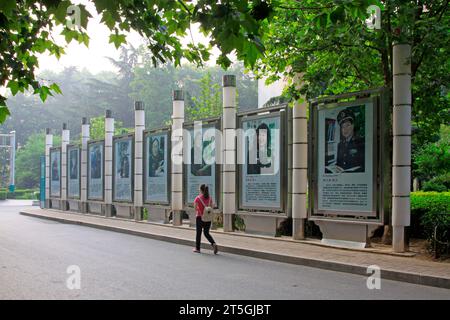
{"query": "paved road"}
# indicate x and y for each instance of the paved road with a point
(35, 255)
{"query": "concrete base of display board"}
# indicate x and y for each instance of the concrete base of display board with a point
(55, 204)
(124, 211)
(65, 205)
(158, 214)
(95, 208)
(83, 207)
(345, 234)
(192, 216)
(262, 223)
(74, 205)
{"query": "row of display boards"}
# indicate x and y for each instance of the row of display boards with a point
(348, 161)
(261, 182)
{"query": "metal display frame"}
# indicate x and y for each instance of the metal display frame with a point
(380, 157)
(281, 111)
(116, 139)
(54, 150)
(147, 134)
(71, 147)
(215, 122)
(89, 145)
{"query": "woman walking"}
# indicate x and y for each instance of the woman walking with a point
(202, 201)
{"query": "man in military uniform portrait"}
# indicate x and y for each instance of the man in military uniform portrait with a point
(351, 148)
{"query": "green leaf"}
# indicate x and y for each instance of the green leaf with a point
(55, 88)
(251, 54)
(69, 35)
(61, 11)
(102, 5)
(109, 20)
(14, 86)
(4, 113)
(84, 16)
(117, 39)
(44, 92)
(7, 6)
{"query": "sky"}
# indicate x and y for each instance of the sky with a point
(93, 58)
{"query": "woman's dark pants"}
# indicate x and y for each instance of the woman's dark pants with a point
(205, 226)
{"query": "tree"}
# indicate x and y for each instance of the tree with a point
(97, 128)
(432, 163)
(26, 28)
(336, 52)
(28, 160)
(84, 95)
(208, 103)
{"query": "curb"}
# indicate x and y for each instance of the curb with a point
(309, 262)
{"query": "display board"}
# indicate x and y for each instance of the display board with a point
(123, 168)
(157, 164)
(201, 167)
(96, 170)
(347, 159)
(260, 171)
(55, 172)
(73, 172)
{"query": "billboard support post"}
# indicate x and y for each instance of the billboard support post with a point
(229, 151)
(299, 169)
(177, 156)
(48, 145)
(84, 141)
(109, 132)
(139, 127)
(12, 160)
(401, 164)
(65, 139)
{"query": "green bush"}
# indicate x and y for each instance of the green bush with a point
(238, 223)
(430, 201)
(145, 214)
(439, 183)
(20, 194)
(432, 209)
(432, 163)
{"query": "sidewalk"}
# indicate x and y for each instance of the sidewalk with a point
(394, 267)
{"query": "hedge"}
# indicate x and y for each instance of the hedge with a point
(430, 201)
(22, 194)
(430, 214)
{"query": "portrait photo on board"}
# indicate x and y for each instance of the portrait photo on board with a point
(205, 149)
(123, 168)
(345, 140)
(96, 162)
(73, 164)
(55, 167)
(259, 160)
(156, 157)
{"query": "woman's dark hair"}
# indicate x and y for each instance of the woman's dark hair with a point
(205, 190)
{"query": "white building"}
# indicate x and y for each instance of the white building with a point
(266, 92)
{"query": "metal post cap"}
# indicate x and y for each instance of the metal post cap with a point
(108, 113)
(178, 95)
(84, 120)
(138, 105)
(47, 130)
(64, 126)
(229, 80)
